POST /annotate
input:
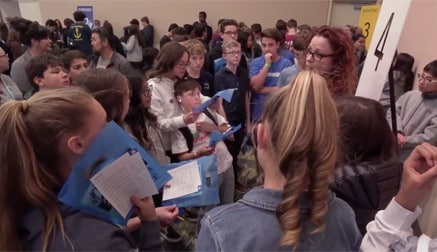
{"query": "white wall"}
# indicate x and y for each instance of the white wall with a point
(163, 12)
(343, 14)
(31, 10)
(9, 8)
(419, 37)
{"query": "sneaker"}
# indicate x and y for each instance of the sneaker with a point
(171, 235)
(191, 216)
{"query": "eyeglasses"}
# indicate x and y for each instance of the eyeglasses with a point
(316, 55)
(4, 55)
(231, 32)
(182, 64)
(234, 53)
(425, 79)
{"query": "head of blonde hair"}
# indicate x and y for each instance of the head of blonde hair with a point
(195, 47)
(304, 138)
(31, 133)
(229, 44)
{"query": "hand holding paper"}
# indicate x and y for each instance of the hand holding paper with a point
(145, 208)
(217, 136)
(125, 177)
(224, 94)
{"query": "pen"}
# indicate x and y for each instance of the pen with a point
(180, 218)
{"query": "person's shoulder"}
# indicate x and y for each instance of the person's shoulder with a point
(81, 225)
(206, 75)
(257, 61)
(7, 78)
(120, 58)
(288, 70)
(413, 94)
(221, 213)
(285, 61)
(20, 60)
(339, 207)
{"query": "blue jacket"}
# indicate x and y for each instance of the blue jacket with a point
(251, 225)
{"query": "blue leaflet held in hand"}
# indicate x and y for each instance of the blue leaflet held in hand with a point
(224, 94)
(217, 136)
(112, 143)
(208, 194)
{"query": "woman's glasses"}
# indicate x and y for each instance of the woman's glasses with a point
(316, 55)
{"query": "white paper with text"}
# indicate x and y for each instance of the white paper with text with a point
(125, 177)
(185, 181)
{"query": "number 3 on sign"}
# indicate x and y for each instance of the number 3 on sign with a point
(366, 30)
(368, 18)
(380, 47)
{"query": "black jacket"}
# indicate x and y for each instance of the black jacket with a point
(216, 53)
(367, 187)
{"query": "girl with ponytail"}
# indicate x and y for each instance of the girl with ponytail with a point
(296, 143)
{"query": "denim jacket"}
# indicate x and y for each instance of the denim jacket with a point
(251, 224)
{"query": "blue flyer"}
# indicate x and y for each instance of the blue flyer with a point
(78, 191)
(216, 136)
(224, 94)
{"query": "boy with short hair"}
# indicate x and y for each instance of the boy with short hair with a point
(291, 32)
(197, 138)
(265, 70)
(300, 45)
(195, 70)
(416, 113)
(46, 72)
(238, 110)
(228, 31)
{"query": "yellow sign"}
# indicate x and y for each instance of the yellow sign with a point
(368, 17)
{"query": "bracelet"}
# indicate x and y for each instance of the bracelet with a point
(267, 65)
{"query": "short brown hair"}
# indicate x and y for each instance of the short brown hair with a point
(302, 40)
(71, 55)
(145, 20)
(227, 22)
(273, 34)
(39, 64)
(108, 87)
(183, 86)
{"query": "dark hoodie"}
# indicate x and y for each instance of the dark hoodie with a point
(367, 187)
(86, 232)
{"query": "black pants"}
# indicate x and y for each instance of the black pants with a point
(234, 148)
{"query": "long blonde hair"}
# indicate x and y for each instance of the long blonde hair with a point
(30, 133)
(304, 136)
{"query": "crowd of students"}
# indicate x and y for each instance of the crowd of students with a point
(329, 161)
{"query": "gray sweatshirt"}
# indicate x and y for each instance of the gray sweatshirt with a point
(416, 117)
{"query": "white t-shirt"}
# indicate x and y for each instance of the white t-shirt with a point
(224, 158)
